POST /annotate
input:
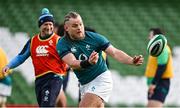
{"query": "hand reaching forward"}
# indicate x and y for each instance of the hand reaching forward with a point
(93, 58)
(138, 60)
(4, 72)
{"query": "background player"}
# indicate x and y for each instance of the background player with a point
(158, 72)
(49, 68)
(5, 80)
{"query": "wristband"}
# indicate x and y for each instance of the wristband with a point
(85, 64)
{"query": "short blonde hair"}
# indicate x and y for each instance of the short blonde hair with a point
(70, 15)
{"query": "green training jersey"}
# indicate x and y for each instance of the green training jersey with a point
(82, 49)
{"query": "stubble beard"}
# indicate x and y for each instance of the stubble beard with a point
(74, 37)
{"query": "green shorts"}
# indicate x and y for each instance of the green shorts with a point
(161, 91)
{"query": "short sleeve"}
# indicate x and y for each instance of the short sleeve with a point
(102, 41)
(62, 48)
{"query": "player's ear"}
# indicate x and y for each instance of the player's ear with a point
(65, 27)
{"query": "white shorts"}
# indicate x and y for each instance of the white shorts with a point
(5, 90)
(101, 86)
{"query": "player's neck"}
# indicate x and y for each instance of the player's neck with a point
(43, 37)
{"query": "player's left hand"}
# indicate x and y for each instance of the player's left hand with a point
(93, 59)
(138, 60)
(151, 89)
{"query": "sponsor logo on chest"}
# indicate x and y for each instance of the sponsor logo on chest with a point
(41, 50)
(73, 49)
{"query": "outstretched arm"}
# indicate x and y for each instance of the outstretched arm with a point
(19, 59)
(123, 57)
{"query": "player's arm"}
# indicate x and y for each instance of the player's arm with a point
(162, 62)
(77, 64)
(104, 44)
(123, 57)
(70, 60)
(68, 57)
(20, 58)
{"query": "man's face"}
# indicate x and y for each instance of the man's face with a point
(75, 28)
(150, 35)
(46, 28)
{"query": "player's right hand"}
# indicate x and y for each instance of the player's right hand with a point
(138, 60)
(93, 58)
(151, 89)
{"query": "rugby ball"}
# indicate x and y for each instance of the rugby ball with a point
(156, 45)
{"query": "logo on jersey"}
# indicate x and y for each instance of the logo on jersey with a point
(73, 49)
(42, 50)
(88, 47)
(51, 42)
(82, 57)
